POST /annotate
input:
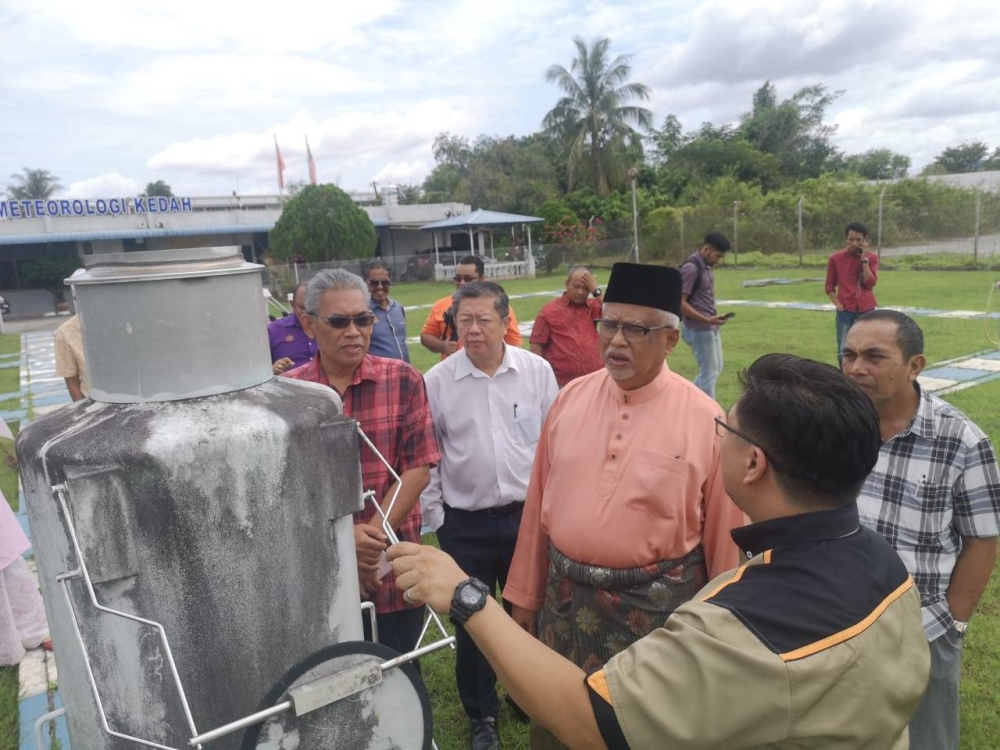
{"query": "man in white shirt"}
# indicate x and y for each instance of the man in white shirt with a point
(488, 401)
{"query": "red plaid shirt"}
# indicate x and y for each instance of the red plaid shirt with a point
(568, 338)
(388, 398)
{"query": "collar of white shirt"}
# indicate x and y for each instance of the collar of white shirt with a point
(465, 368)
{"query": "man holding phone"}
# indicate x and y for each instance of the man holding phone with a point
(700, 322)
(851, 274)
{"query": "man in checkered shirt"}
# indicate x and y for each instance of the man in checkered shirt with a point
(935, 496)
(388, 399)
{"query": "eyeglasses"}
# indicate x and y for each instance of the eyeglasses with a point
(467, 279)
(719, 423)
(365, 320)
(374, 283)
(632, 332)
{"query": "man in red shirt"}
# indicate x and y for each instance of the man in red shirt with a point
(564, 332)
(851, 274)
(387, 397)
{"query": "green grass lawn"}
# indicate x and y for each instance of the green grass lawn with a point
(753, 332)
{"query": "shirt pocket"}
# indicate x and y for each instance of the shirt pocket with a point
(657, 485)
(527, 428)
(928, 527)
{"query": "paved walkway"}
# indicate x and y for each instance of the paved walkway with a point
(41, 392)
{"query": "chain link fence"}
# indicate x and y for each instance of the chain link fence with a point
(909, 218)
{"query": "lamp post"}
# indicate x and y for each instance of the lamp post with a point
(633, 174)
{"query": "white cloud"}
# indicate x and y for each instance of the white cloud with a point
(250, 25)
(102, 186)
(346, 142)
(231, 81)
(403, 173)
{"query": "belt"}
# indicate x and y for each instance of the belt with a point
(503, 510)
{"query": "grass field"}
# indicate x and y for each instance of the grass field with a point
(753, 332)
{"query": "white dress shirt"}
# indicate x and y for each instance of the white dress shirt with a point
(487, 429)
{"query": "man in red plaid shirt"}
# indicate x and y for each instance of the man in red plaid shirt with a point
(387, 397)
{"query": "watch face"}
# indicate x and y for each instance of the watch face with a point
(469, 595)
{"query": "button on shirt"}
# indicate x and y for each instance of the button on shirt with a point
(389, 331)
(287, 339)
(703, 299)
(624, 479)
(568, 338)
(934, 483)
(487, 428)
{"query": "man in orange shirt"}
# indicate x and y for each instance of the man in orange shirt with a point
(439, 333)
(626, 516)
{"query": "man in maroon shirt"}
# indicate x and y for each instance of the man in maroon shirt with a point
(388, 398)
(851, 274)
(564, 332)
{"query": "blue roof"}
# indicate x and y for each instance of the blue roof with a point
(481, 218)
(124, 234)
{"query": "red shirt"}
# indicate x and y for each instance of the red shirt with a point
(568, 338)
(844, 272)
(388, 398)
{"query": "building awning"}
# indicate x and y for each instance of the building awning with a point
(481, 218)
(125, 234)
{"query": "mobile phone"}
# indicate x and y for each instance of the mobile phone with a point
(727, 316)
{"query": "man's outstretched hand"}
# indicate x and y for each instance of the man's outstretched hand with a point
(426, 575)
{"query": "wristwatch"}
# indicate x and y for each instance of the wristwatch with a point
(960, 627)
(596, 292)
(470, 597)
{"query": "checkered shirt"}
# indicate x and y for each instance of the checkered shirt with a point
(934, 483)
(388, 398)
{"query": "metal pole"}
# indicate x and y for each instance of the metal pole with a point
(881, 200)
(736, 232)
(975, 241)
(801, 202)
(634, 174)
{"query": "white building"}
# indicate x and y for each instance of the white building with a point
(60, 227)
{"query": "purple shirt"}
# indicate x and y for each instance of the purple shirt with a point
(287, 339)
(703, 299)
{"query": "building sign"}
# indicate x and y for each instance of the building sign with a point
(37, 209)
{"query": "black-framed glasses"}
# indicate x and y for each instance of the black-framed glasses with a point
(467, 279)
(365, 320)
(719, 423)
(374, 283)
(633, 332)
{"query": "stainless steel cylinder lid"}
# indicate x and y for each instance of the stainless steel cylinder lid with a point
(172, 324)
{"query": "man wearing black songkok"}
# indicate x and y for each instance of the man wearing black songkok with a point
(626, 517)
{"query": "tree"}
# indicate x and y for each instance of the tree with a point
(666, 140)
(50, 273)
(158, 188)
(969, 156)
(322, 223)
(879, 164)
(34, 184)
(793, 131)
(593, 116)
(408, 194)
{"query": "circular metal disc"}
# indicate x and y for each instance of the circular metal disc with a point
(393, 715)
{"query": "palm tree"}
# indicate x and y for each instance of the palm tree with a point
(594, 117)
(34, 184)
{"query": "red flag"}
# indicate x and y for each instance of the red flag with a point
(281, 166)
(312, 164)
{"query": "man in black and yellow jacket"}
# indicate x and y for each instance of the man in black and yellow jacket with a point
(815, 642)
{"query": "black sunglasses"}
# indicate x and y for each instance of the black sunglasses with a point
(380, 282)
(365, 320)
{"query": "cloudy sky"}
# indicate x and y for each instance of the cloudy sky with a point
(109, 95)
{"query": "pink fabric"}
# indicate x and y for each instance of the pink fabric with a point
(13, 542)
(624, 479)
